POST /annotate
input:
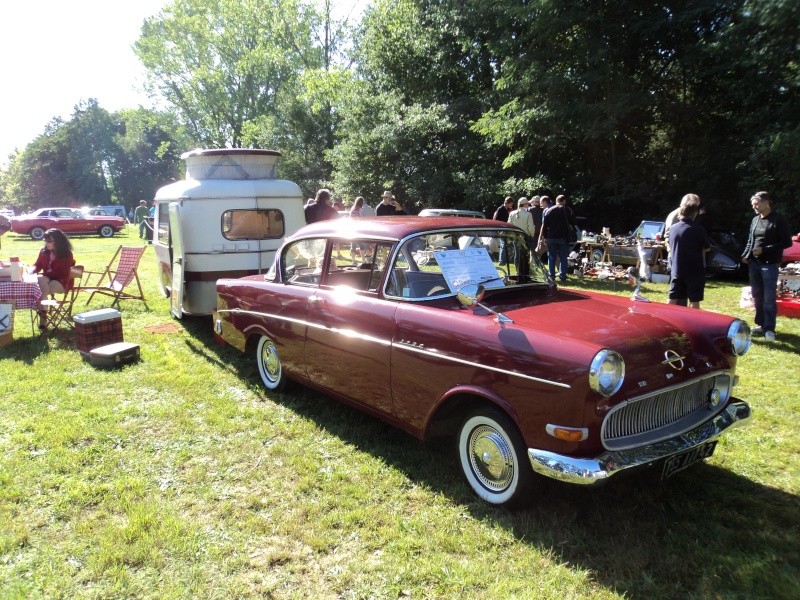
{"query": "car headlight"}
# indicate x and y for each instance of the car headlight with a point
(739, 337)
(607, 372)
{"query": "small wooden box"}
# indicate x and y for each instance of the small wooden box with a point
(97, 328)
(114, 355)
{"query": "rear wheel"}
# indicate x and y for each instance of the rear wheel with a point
(269, 365)
(494, 458)
(36, 233)
(106, 231)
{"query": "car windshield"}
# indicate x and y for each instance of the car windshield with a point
(649, 229)
(439, 263)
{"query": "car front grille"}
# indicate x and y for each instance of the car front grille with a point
(668, 413)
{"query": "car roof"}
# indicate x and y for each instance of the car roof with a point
(448, 212)
(396, 227)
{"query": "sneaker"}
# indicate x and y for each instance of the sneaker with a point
(769, 336)
(757, 330)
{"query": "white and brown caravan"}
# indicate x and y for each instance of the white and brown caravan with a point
(225, 219)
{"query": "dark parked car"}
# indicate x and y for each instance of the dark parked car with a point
(413, 320)
(69, 220)
(724, 258)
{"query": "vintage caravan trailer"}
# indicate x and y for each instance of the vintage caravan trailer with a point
(225, 219)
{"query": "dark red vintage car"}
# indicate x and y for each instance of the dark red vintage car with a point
(69, 220)
(415, 321)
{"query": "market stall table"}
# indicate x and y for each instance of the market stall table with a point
(788, 300)
(25, 294)
(605, 252)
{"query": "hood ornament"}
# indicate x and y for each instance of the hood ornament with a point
(635, 279)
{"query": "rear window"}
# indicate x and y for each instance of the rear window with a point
(253, 224)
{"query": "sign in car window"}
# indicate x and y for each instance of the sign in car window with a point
(468, 266)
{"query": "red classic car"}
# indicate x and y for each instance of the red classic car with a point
(792, 253)
(69, 220)
(438, 337)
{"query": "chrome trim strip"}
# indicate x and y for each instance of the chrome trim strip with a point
(589, 471)
(401, 345)
(436, 354)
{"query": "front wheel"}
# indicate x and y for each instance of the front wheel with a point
(269, 365)
(494, 458)
(106, 231)
(37, 233)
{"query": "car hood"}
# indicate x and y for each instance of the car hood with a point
(568, 327)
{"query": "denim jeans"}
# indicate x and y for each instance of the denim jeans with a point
(764, 285)
(557, 249)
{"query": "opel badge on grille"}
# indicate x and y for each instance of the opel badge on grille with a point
(673, 359)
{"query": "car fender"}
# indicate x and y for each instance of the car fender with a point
(458, 400)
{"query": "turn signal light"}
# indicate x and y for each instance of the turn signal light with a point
(568, 434)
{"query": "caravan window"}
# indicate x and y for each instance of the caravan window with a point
(163, 223)
(260, 224)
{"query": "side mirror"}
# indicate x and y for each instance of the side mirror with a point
(471, 294)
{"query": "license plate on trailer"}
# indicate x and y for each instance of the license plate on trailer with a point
(679, 462)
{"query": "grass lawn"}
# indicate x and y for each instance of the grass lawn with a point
(179, 477)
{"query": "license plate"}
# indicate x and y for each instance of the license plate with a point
(679, 462)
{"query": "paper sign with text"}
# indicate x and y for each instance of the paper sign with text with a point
(468, 266)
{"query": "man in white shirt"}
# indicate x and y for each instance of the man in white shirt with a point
(523, 219)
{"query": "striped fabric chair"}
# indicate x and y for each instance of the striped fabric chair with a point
(120, 279)
(59, 307)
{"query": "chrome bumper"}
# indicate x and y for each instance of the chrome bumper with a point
(589, 471)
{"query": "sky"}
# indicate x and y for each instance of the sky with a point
(56, 53)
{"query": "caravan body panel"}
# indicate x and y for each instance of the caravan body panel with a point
(227, 227)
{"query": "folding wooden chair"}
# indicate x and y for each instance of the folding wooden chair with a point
(59, 310)
(118, 277)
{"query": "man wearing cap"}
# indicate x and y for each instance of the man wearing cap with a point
(139, 216)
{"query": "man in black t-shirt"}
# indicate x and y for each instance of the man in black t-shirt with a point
(389, 206)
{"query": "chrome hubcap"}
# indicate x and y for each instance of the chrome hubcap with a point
(269, 358)
(492, 458)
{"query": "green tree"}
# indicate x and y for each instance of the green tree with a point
(224, 63)
(146, 153)
(420, 83)
(308, 111)
(96, 158)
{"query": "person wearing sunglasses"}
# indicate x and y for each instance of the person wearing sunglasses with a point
(53, 264)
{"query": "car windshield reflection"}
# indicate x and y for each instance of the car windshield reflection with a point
(439, 263)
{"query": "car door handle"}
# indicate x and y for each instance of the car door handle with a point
(316, 300)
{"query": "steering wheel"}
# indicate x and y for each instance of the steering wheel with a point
(503, 273)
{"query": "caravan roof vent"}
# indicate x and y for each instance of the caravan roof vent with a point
(230, 163)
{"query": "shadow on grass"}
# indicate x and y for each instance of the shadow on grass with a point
(27, 349)
(705, 533)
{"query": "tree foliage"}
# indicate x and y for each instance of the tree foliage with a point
(624, 105)
(96, 157)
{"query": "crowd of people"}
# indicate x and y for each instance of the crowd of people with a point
(550, 229)
(322, 207)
